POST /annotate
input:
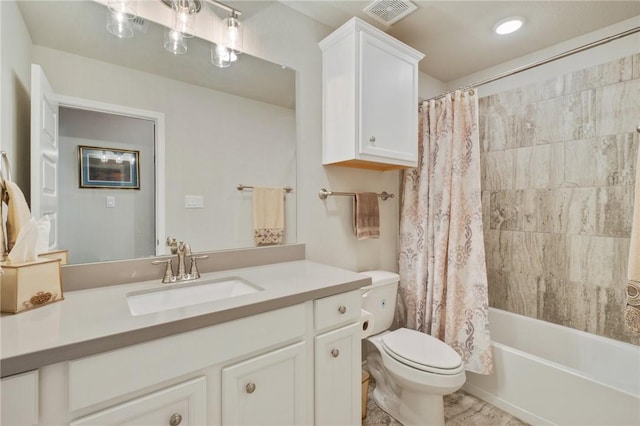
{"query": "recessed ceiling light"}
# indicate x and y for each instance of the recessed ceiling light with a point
(509, 25)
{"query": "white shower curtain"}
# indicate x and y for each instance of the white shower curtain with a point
(443, 279)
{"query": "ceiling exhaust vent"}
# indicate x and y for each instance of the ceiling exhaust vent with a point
(389, 11)
(140, 25)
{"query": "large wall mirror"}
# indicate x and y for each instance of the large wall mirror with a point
(221, 127)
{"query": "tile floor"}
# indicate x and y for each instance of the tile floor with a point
(460, 409)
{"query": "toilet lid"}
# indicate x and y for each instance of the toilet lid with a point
(422, 351)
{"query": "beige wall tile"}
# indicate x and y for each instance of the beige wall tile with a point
(533, 167)
(614, 204)
(498, 249)
(505, 210)
(566, 118)
(610, 316)
(601, 75)
(598, 261)
(522, 294)
(618, 108)
(570, 304)
(540, 254)
(498, 170)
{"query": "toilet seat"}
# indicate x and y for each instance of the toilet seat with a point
(422, 351)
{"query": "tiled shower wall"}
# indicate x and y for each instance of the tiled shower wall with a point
(558, 167)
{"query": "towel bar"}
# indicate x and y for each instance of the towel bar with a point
(323, 194)
(242, 187)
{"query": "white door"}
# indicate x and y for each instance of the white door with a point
(44, 151)
(266, 390)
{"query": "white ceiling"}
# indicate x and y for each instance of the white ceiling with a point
(457, 36)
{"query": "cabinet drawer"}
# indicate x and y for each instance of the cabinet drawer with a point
(19, 400)
(183, 404)
(334, 311)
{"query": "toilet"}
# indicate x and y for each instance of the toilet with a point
(412, 370)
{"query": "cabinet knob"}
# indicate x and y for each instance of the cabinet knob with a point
(250, 388)
(335, 353)
(175, 420)
(372, 139)
(342, 309)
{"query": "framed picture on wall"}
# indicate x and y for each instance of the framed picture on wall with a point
(108, 168)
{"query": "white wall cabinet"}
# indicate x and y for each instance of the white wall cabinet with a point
(266, 390)
(370, 99)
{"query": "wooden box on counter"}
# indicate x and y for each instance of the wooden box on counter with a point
(29, 285)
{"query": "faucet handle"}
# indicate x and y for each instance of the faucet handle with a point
(168, 272)
(194, 265)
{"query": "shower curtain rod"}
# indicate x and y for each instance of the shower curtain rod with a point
(539, 63)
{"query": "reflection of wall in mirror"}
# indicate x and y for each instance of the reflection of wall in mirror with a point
(213, 142)
(90, 229)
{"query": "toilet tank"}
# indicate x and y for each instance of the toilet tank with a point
(380, 298)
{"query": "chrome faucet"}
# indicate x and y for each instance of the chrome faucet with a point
(182, 249)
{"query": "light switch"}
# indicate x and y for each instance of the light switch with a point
(110, 201)
(193, 201)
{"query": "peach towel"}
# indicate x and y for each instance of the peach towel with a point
(268, 215)
(366, 215)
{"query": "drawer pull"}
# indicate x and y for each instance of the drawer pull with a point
(335, 353)
(175, 420)
(372, 139)
(250, 388)
(342, 309)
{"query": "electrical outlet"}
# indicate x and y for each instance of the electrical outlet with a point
(193, 201)
(110, 201)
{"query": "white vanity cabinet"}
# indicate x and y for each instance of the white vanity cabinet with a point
(289, 366)
(337, 389)
(370, 99)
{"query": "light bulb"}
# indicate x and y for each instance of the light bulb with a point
(233, 34)
(221, 56)
(174, 42)
(119, 25)
(129, 8)
(183, 21)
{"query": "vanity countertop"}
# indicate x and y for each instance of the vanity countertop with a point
(97, 320)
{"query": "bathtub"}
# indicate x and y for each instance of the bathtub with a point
(546, 374)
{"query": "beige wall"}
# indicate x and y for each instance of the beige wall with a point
(15, 63)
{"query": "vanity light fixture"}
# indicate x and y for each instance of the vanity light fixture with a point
(508, 25)
(120, 18)
(182, 27)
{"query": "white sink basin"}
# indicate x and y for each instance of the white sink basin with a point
(172, 296)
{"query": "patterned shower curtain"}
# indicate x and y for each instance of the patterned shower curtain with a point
(443, 279)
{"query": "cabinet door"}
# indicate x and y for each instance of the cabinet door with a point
(19, 399)
(388, 101)
(180, 405)
(266, 390)
(338, 377)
